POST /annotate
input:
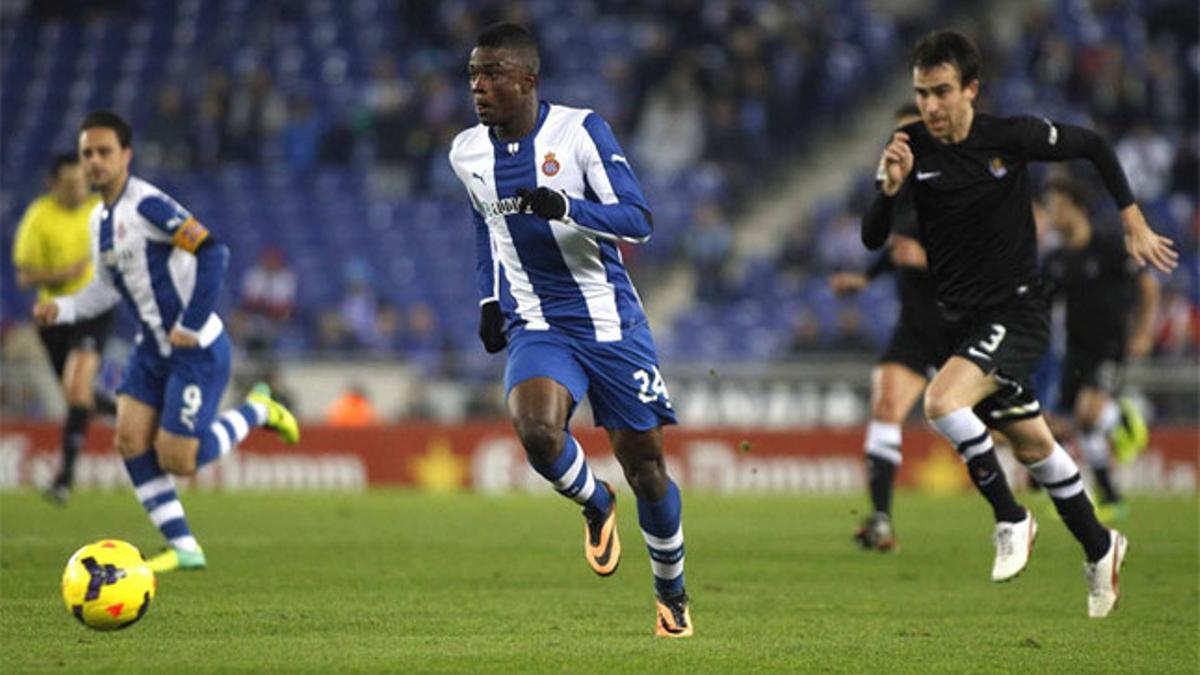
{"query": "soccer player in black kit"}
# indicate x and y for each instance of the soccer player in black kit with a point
(1110, 307)
(917, 348)
(969, 178)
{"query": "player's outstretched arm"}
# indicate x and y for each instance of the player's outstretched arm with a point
(1144, 245)
(92, 300)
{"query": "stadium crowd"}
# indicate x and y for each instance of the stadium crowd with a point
(314, 131)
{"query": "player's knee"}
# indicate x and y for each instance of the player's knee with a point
(647, 478)
(1032, 451)
(127, 445)
(177, 461)
(887, 409)
(542, 439)
(938, 404)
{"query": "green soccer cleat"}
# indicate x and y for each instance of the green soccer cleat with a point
(279, 419)
(172, 559)
(1130, 437)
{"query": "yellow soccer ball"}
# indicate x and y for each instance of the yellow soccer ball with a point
(107, 585)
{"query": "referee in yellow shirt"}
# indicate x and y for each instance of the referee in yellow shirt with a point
(53, 251)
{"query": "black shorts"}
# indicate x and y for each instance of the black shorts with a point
(89, 335)
(921, 345)
(1007, 342)
(1090, 369)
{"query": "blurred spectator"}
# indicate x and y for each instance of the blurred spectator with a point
(301, 134)
(1146, 155)
(212, 119)
(1177, 330)
(256, 112)
(353, 409)
(168, 140)
(670, 133)
(839, 246)
(806, 334)
(267, 301)
(359, 308)
(708, 247)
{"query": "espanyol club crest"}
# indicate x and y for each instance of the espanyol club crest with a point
(550, 165)
(120, 230)
(996, 166)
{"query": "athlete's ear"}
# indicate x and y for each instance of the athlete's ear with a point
(971, 90)
(529, 82)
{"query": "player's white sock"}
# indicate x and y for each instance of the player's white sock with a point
(573, 479)
(155, 489)
(231, 428)
(1060, 477)
(662, 528)
(970, 437)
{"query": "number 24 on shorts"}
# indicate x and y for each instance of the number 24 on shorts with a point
(651, 388)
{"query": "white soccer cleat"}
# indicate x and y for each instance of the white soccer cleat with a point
(1014, 544)
(1103, 591)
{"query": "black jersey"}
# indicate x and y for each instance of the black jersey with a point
(1098, 283)
(974, 204)
(914, 285)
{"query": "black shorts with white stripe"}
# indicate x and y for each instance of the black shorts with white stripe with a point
(1006, 342)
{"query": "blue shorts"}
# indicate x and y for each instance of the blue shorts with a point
(185, 387)
(621, 379)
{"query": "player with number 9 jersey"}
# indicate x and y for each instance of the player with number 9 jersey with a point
(168, 268)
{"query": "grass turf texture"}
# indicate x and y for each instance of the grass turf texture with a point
(409, 582)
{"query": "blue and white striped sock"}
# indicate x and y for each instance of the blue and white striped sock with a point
(662, 528)
(155, 489)
(573, 479)
(228, 430)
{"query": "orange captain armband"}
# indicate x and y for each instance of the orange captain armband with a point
(190, 235)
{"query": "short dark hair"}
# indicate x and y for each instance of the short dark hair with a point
(105, 119)
(1073, 190)
(60, 160)
(909, 109)
(506, 35)
(947, 46)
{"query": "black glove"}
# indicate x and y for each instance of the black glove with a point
(542, 202)
(491, 327)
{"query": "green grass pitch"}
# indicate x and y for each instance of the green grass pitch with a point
(406, 582)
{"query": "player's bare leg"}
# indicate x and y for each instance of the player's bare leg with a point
(660, 517)
(79, 371)
(539, 408)
(954, 391)
(894, 390)
(1036, 448)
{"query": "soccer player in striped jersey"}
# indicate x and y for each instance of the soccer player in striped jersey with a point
(552, 195)
(149, 251)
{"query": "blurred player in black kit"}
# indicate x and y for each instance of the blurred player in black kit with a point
(918, 347)
(969, 178)
(1110, 307)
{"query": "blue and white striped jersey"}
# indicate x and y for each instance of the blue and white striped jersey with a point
(145, 246)
(565, 275)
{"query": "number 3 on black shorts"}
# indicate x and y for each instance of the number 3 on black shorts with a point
(651, 387)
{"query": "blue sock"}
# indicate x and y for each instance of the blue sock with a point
(573, 479)
(227, 431)
(662, 528)
(155, 489)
